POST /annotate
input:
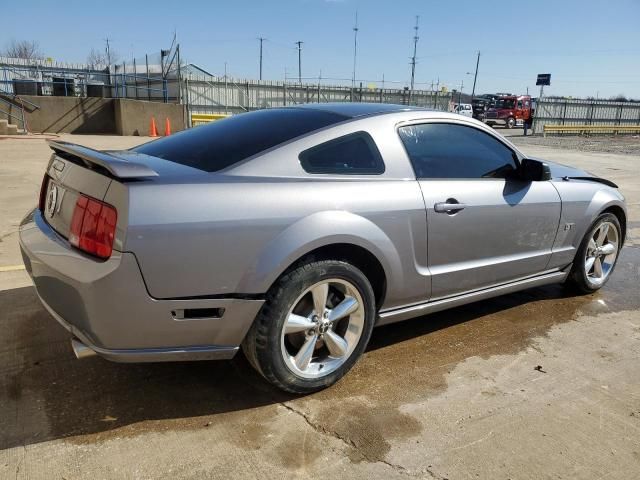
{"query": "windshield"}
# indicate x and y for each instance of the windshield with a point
(505, 103)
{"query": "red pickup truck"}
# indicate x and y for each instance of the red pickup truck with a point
(510, 111)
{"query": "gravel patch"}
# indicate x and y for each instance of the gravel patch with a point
(627, 145)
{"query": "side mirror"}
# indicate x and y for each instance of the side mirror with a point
(534, 170)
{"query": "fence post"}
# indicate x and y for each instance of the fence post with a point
(284, 93)
(619, 114)
(146, 60)
(135, 78)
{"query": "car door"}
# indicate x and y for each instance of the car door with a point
(485, 225)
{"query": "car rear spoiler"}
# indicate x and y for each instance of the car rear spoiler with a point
(115, 166)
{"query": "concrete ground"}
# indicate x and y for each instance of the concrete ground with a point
(531, 385)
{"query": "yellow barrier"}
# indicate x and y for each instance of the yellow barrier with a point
(590, 129)
(202, 118)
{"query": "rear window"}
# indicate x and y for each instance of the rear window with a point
(223, 143)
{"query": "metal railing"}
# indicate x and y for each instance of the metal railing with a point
(11, 102)
(568, 112)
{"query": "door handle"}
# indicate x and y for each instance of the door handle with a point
(450, 207)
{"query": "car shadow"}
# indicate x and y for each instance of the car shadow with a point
(46, 394)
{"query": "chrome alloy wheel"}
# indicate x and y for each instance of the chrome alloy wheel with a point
(323, 328)
(601, 253)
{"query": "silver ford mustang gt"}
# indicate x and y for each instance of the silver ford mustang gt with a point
(292, 232)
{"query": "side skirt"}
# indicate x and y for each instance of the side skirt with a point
(405, 313)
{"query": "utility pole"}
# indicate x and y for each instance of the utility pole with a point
(475, 77)
(413, 59)
(460, 92)
(262, 39)
(355, 51)
(299, 43)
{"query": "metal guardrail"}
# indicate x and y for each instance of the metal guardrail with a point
(202, 118)
(579, 129)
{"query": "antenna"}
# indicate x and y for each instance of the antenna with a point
(108, 52)
(299, 43)
(355, 51)
(262, 39)
(415, 48)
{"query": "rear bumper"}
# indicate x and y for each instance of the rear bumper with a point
(106, 304)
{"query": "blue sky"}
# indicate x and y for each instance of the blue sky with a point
(589, 47)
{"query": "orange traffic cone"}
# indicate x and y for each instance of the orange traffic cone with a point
(167, 127)
(153, 131)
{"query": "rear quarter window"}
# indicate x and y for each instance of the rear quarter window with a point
(353, 154)
(223, 143)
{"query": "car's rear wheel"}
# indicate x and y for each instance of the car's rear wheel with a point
(313, 327)
(597, 255)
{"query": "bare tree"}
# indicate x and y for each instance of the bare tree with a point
(27, 49)
(96, 58)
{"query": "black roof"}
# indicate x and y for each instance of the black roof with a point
(353, 110)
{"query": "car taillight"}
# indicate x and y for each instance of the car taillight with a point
(93, 226)
(43, 192)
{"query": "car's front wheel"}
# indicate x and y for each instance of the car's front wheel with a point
(511, 122)
(597, 255)
(314, 325)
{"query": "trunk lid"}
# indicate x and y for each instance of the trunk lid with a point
(75, 170)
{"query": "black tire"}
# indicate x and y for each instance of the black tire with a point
(262, 345)
(511, 122)
(577, 280)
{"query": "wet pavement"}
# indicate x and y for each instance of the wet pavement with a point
(47, 395)
(536, 384)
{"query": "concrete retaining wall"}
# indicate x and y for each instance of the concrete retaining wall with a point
(96, 115)
(66, 115)
(133, 117)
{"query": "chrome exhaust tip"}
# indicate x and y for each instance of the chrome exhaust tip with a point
(81, 350)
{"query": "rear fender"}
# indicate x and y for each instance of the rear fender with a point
(310, 233)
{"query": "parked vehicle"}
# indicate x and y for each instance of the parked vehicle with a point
(481, 104)
(292, 232)
(463, 109)
(510, 111)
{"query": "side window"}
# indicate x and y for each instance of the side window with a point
(353, 154)
(441, 150)
(519, 103)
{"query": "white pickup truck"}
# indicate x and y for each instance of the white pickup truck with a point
(463, 109)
